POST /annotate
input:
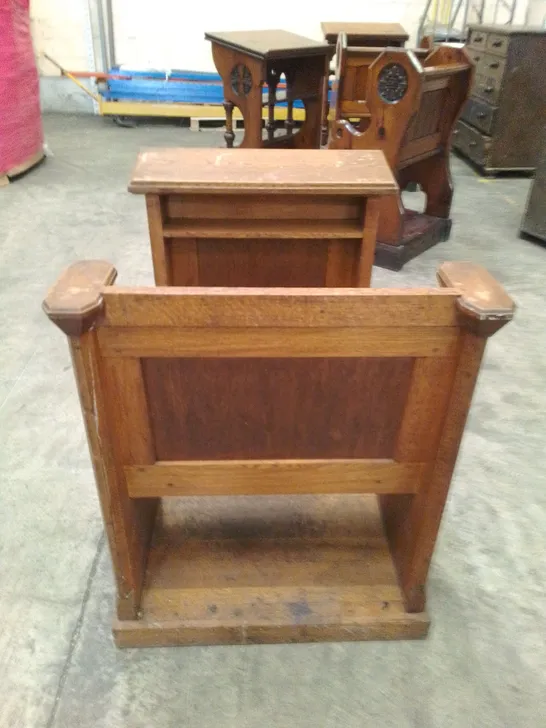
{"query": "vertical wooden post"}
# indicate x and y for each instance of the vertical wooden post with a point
(289, 123)
(74, 304)
(272, 81)
(325, 103)
(229, 135)
(369, 237)
(160, 253)
(412, 522)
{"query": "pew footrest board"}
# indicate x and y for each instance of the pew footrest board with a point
(267, 570)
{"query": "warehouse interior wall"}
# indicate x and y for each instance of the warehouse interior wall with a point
(173, 37)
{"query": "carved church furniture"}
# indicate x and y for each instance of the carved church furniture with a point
(408, 110)
(377, 35)
(248, 60)
(247, 442)
(501, 124)
(351, 80)
(262, 217)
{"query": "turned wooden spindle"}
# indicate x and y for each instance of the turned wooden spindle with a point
(272, 81)
(229, 135)
(289, 123)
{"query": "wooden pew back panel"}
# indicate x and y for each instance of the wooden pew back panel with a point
(350, 88)
(262, 392)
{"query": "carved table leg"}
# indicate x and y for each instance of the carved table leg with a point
(229, 136)
(289, 123)
(272, 81)
(325, 108)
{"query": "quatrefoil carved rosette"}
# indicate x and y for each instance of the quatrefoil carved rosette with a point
(392, 83)
(241, 80)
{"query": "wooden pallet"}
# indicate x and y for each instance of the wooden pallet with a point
(32, 161)
(197, 112)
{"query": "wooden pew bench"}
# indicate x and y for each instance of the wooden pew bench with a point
(248, 445)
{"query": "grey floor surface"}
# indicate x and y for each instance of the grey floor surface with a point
(484, 663)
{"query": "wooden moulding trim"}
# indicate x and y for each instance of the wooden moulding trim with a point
(75, 301)
(483, 303)
(221, 307)
(274, 477)
(275, 342)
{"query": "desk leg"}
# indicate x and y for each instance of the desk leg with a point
(272, 81)
(325, 110)
(229, 135)
(289, 123)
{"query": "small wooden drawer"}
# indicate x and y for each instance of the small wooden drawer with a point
(480, 115)
(477, 39)
(475, 55)
(497, 43)
(492, 66)
(487, 88)
(471, 143)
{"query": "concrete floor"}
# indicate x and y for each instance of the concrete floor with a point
(484, 663)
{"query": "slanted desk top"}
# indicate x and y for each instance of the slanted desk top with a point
(276, 171)
(360, 31)
(270, 44)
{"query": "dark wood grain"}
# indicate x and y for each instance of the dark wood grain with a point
(263, 262)
(271, 44)
(366, 34)
(275, 408)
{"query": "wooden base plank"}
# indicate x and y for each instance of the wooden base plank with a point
(421, 232)
(266, 570)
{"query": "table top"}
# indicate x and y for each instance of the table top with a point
(270, 43)
(384, 30)
(275, 171)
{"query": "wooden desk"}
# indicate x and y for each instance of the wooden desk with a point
(262, 217)
(246, 60)
(366, 34)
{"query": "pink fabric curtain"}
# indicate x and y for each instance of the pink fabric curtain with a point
(21, 135)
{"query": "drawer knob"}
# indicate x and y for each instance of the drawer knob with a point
(495, 64)
(489, 89)
(478, 38)
(481, 115)
(497, 43)
(476, 59)
(473, 144)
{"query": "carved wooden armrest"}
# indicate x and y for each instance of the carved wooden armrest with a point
(76, 298)
(483, 301)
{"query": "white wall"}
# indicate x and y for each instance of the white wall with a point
(537, 13)
(173, 35)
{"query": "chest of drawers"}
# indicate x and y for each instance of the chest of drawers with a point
(499, 129)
